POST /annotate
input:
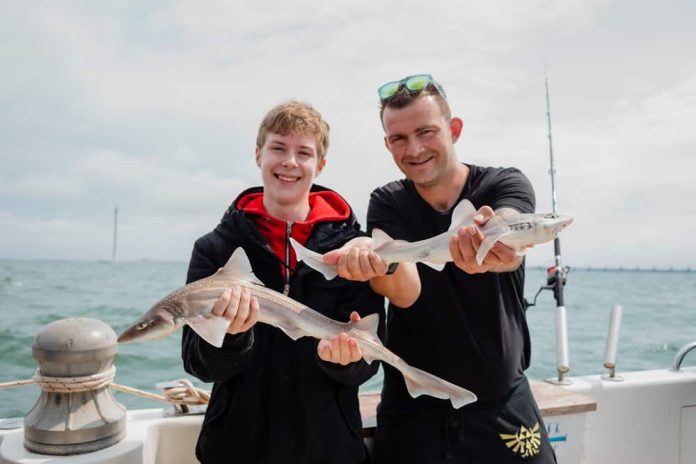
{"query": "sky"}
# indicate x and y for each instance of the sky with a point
(153, 107)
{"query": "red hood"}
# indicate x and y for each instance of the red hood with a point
(324, 206)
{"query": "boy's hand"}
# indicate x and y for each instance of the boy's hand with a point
(356, 261)
(237, 305)
(342, 349)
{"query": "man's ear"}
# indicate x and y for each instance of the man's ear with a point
(320, 166)
(258, 156)
(386, 144)
(456, 125)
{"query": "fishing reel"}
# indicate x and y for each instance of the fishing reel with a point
(552, 276)
(553, 273)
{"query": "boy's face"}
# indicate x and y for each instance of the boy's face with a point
(289, 164)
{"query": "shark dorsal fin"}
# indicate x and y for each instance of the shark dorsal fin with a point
(367, 323)
(379, 238)
(238, 268)
(463, 215)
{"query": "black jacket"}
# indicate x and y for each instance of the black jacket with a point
(273, 399)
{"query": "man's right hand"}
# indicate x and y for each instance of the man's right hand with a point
(237, 305)
(356, 260)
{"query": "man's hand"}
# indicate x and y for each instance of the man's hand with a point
(237, 305)
(465, 244)
(356, 260)
(342, 349)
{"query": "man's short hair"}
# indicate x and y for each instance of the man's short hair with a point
(404, 97)
(295, 116)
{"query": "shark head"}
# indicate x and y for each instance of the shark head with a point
(158, 322)
(554, 223)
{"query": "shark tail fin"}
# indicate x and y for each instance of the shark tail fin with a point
(419, 382)
(313, 260)
(463, 215)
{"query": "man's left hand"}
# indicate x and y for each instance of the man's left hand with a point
(465, 244)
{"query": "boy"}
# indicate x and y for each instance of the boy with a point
(276, 400)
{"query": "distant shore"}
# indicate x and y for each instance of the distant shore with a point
(625, 269)
(687, 269)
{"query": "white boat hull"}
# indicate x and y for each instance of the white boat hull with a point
(648, 418)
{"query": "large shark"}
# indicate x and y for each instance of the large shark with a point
(193, 303)
(516, 230)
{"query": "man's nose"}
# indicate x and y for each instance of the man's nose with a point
(413, 146)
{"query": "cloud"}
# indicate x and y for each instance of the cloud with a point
(155, 107)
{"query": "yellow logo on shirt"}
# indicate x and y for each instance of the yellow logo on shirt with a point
(525, 442)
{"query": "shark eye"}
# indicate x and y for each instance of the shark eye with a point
(142, 325)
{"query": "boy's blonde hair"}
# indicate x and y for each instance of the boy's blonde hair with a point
(295, 116)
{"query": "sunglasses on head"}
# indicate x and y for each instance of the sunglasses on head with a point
(414, 84)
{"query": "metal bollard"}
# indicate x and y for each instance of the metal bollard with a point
(67, 419)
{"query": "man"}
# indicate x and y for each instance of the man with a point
(276, 400)
(466, 323)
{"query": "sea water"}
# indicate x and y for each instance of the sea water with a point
(659, 316)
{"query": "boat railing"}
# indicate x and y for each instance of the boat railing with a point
(681, 354)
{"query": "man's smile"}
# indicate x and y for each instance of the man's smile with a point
(420, 163)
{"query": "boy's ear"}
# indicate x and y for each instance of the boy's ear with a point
(320, 166)
(258, 156)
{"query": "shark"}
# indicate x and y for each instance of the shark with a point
(192, 305)
(516, 230)
(520, 231)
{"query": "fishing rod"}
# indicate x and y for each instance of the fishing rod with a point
(556, 275)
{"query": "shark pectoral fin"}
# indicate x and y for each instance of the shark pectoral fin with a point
(368, 324)
(313, 260)
(436, 266)
(523, 251)
(487, 244)
(292, 331)
(463, 215)
(238, 268)
(212, 329)
(379, 238)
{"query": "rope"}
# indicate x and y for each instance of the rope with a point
(180, 393)
(75, 384)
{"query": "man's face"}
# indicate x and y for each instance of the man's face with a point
(421, 140)
(289, 164)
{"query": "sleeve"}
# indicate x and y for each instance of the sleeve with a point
(511, 189)
(358, 296)
(202, 360)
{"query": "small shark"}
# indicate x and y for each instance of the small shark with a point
(193, 303)
(516, 230)
(433, 252)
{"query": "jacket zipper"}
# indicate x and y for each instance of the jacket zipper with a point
(288, 229)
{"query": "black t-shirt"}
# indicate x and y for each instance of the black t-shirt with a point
(468, 329)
